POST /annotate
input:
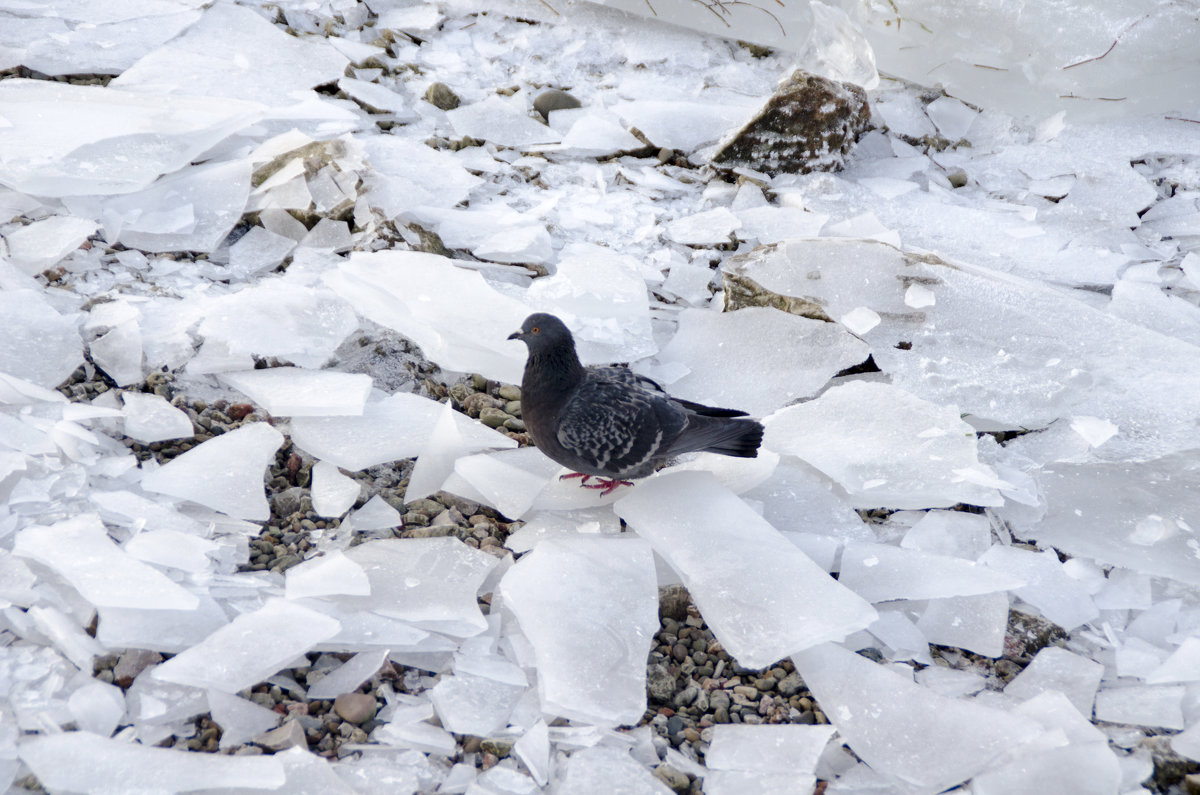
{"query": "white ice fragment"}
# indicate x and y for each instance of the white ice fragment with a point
(408, 174)
(1094, 430)
(81, 552)
(708, 228)
(944, 740)
(432, 583)
(757, 359)
(592, 134)
(974, 623)
(509, 480)
(66, 635)
(1053, 668)
(588, 606)
(533, 749)
(297, 392)
(918, 296)
(455, 317)
(1159, 706)
(603, 770)
(956, 533)
(529, 243)
(149, 626)
(329, 574)
(864, 227)
(689, 282)
(276, 318)
(376, 97)
(258, 250)
(501, 123)
(763, 597)
(860, 320)
(349, 675)
(684, 126)
(97, 707)
(329, 234)
(781, 748)
(224, 473)
(951, 117)
(40, 245)
(879, 572)
(471, 704)
(771, 224)
(1124, 590)
(410, 19)
(37, 344)
(376, 514)
(150, 418)
(1058, 596)
(1182, 666)
(445, 445)
(1187, 743)
(85, 762)
(332, 492)
(897, 450)
(1084, 768)
(172, 549)
(119, 353)
(888, 187)
(250, 648)
(240, 720)
(233, 52)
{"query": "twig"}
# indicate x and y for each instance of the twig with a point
(1111, 47)
(1180, 118)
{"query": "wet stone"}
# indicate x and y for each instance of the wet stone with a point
(549, 101)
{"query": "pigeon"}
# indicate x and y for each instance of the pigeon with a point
(609, 422)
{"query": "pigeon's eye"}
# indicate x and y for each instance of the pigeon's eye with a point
(535, 330)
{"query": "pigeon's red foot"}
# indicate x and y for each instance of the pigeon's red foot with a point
(583, 482)
(609, 485)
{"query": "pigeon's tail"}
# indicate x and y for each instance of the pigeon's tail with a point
(734, 437)
(708, 411)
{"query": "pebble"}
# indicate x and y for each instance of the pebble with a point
(133, 662)
(510, 392)
(790, 685)
(289, 735)
(676, 780)
(660, 683)
(552, 100)
(355, 707)
(493, 417)
(499, 747)
(441, 96)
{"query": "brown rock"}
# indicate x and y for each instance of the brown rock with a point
(809, 124)
(355, 707)
(290, 734)
(238, 411)
(132, 663)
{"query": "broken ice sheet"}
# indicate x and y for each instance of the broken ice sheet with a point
(943, 742)
(250, 648)
(955, 533)
(1057, 596)
(297, 392)
(501, 122)
(45, 151)
(240, 720)
(80, 550)
(879, 572)
(224, 473)
(603, 769)
(455, 317)
(430, 582)
(708, 228)
(277, 318)
(1056, 669)
(152, 627)
(1159, 706)
(509, 481)
(409, 174)
(332, 492)
(37, 344)
(232, 52)
(399, 426)
(757, 359)
(471, 704)
(763, 597)
(83, 762)
(780, 748)
(349, 675)
(40, 245)
(684, 126)
(150, 418)
(551, 524)
(376, 514)
(589, 608)
(119, 353)
(899, 451)
(172, 549)
(329, 574)
(258, 250)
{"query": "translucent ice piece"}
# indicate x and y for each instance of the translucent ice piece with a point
(224, 473)
(258, 250)
(329, 574)
(40, 245)
(707, 228)
(377, 514)
(528, 243)
(173, 549)
(240, 720)
(782, 748)
(1159, 706)
(1057, 595)
(347, 677)
(150, 418)
(470, 704)
(602, 770)
(1053, 668)
(589, 640)
(119, 353)
(884, 446)
(975, 623)
(956, 533)
(332, 492)
(430, 582)
(878, 572)
(509, 480)
(757, 359)
(1091, 767)
(81, 551)
(763, 598)
(409, 174)
(150, 627)
(85, 762)
(37, 344)
(1182, 666)
(685, 126)
(97, 707)
(946, 741)
(250, 648)
(445, 445)
(233, 52)
(501, 122)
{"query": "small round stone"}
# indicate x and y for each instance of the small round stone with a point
(441, 96)
(355, 707)
(552, 100)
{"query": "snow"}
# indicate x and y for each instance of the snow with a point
(247, 212)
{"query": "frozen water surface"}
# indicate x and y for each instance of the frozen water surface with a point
(296, 392)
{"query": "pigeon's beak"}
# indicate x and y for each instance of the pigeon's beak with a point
(516, 335)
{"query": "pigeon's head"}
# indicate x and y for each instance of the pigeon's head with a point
(541, 331)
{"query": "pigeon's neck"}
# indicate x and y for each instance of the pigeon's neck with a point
(558, 369)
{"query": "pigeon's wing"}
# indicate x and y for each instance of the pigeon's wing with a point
(618, 428)
(624, 375)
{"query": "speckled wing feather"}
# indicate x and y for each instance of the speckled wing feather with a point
(617, 427)
(623, 375)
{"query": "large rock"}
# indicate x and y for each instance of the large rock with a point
(810, 124)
